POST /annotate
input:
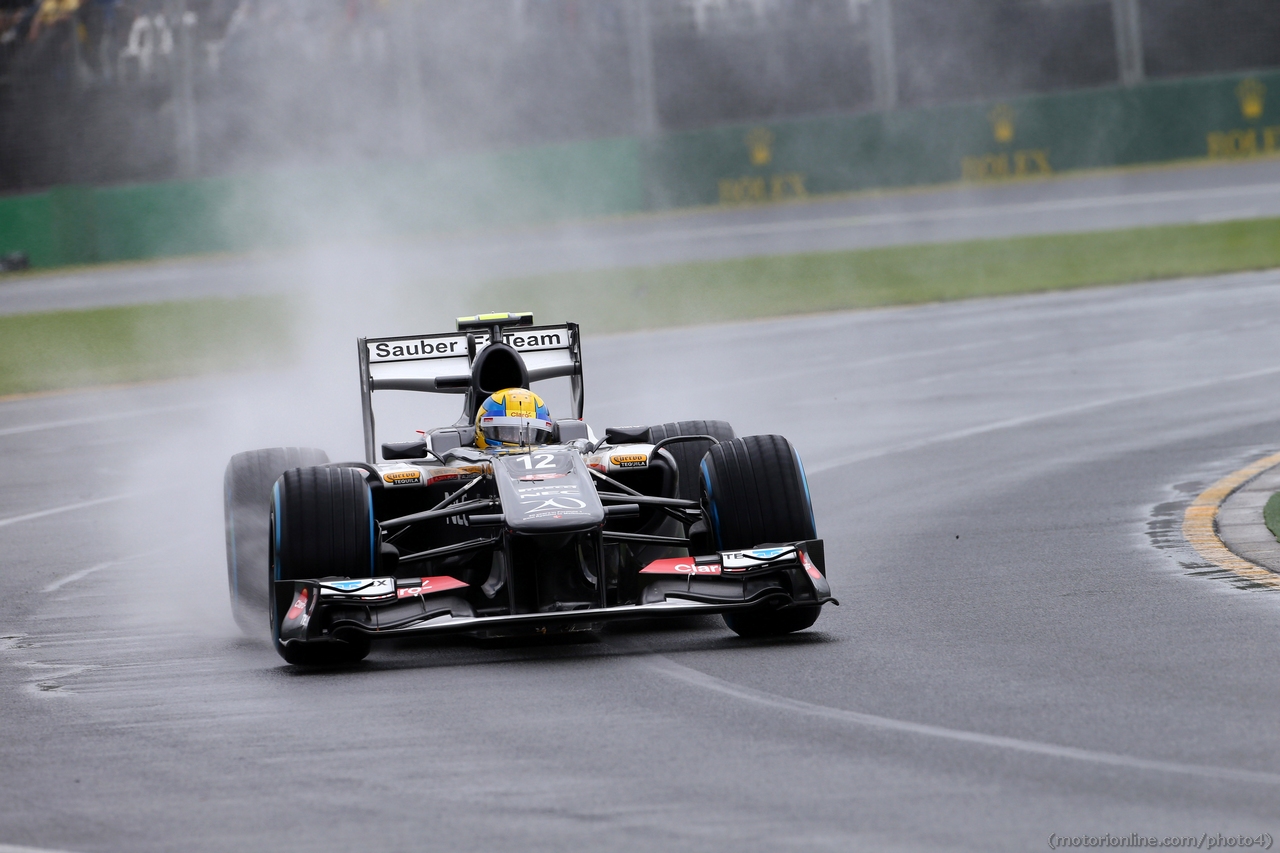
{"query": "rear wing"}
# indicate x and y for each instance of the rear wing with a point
(442, 363)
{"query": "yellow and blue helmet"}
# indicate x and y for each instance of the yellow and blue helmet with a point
(513, 418)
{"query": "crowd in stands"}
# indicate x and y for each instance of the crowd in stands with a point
(104, 41)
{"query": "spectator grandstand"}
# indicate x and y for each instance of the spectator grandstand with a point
(97, 91)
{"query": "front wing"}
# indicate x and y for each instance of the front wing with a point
(779, 576)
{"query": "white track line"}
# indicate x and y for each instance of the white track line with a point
(80, 575)
(924, 216)
(1010, 423)
(9, 848)
(72, 422)
(15, 519)
(697, 678)
(84, 573)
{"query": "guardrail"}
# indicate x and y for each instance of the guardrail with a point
(1233, 116)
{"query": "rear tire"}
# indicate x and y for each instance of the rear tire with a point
(246, 491)
(322, 525)
(688, 454)
(754, 492)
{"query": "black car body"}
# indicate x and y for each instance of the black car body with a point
(440, 537)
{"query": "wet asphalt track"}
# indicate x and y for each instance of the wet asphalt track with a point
(1014, 656)
(1088, 202)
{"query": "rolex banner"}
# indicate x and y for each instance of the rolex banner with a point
(1225, 117)
(1215, 117)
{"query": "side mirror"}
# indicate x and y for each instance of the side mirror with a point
(405, 450)
(443, 440)
(570, 430)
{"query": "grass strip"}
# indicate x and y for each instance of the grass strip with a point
(137, 342)
(746, 288)
(1271, 514)
(69, 349)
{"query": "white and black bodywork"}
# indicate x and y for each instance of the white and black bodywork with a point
(441, 537)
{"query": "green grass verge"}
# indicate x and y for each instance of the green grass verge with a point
(1271, 514)
(78, 348)
(769, 286)
(68, 349)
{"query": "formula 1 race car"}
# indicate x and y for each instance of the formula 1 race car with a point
(510, 522)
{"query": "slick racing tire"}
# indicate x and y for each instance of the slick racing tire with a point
(246, 491)
(322, 525)
(688, 454)
(754, 492)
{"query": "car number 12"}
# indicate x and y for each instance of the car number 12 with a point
(545, 460)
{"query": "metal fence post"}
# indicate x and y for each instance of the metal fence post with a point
(407, 44)
(884, 57)
(640, 52)
(184, 93)
(1128, 29)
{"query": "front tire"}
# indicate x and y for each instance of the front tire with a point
(322, 525)
(246, 492)
(754, 492)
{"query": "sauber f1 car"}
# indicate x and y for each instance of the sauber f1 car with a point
(510, 522)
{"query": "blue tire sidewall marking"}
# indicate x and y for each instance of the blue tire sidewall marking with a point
(808, 499)
(235, 558)
(711, 502)
(373, 534)
(275, 561)
(275, 532)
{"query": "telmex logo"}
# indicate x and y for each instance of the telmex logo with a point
(764, 553)
(363, 584)
(347, 584)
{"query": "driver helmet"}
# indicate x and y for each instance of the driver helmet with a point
(512, 418)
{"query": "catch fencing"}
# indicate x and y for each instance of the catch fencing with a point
(114, 91)
(1219, 117)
